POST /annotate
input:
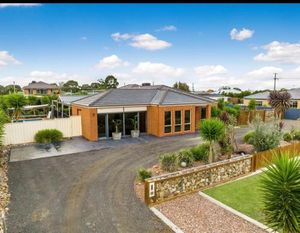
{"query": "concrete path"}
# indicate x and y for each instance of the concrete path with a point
(87, 192)
(75, 145)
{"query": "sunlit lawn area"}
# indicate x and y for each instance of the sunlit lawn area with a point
(242, 195)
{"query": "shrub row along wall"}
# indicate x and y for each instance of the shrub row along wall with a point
(165, 187)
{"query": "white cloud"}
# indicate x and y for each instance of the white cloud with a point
(282, 52)
(111, 62)
(241, 35)
(168, 28)
(83, 38)
(143, 41)
(7, 59)
(209, 70)
(157, 70)
(51, 77)
(3, 5)
(264, 72)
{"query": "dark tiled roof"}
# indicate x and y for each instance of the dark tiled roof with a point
(40, 85)
(147, 95)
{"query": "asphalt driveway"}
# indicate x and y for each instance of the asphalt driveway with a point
(86, 192)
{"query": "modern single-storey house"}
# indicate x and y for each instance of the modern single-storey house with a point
(159, 110)
(262, 98)
(41, 88)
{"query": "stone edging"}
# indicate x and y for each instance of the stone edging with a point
(167, 221)
(235, 212)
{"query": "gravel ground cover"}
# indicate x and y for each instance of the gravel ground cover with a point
(193, 214)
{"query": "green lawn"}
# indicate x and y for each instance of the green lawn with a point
(242, 195)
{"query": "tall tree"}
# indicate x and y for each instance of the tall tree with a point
(280, 101)
(109, 82)
(12, 88)
(95, 86)
(182, 86)
(71, 86)
(85, 87)
(251, 108)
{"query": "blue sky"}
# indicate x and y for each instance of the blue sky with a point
(210, 45)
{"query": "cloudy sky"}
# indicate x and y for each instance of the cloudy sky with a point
(209, 45)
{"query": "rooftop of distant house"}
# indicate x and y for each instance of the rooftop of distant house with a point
(40, 85)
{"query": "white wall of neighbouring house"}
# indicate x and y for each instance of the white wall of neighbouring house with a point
(23, 132)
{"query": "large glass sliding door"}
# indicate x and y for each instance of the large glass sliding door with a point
(106, 124)
(115, 117)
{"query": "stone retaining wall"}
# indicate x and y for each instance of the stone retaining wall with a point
(165, 187)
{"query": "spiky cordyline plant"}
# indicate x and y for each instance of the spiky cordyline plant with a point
(280, 101)
(280, 186)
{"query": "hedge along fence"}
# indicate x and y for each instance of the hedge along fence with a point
(264, 158)
(168, 186)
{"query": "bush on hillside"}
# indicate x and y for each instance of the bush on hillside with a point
(143, 174)
(200, 152)
(185, 156)
(48, 136)
(168, 162)
(248, 137)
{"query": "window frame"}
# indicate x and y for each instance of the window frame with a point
(175, 124)
(167, 126)
(259, 103)
(189, 123)
(293, 102)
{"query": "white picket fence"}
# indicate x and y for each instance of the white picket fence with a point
(23, 132)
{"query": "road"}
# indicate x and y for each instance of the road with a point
(86, 192)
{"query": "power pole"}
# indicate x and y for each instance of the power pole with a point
(14, 87)
(275, 79)
(193, 87)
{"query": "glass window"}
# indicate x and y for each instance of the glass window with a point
(177, 121)
(258, 103)
(187, 120)
(168, 122)
(294, 104)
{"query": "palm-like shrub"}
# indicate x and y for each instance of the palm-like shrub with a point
(185, 156)
(3, 119)
(17, 102)
(212, 130)
(200, 152)
(143, 174)
(280, 187)
(168, 162)
(280, 101)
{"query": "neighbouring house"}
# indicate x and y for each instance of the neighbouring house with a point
(212, 95)
(41, 88)
(227, 89)
(262, 100)
(160, 111)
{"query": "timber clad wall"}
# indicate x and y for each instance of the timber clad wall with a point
(156, 120)
(89, 122)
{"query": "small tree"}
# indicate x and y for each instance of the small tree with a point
(109, 82)
(221, 104)
(280, 101)
(17, 102)
(212, 130)
(280, 186)
(251, 108)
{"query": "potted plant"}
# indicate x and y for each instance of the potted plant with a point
(116, 135)
(135, 133)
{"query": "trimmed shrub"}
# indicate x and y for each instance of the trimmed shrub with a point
(232, 111)
(48, 136)
(200, 152)
(185, 156)
(168, 162)
(287, 137)
(248, 137)
(143, 174)
(215, 112)
(296, 135)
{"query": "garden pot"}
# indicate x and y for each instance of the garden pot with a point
(135, 133)
(116, 136)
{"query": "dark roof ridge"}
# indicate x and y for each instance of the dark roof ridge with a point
(103, 94)
(163, 97)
